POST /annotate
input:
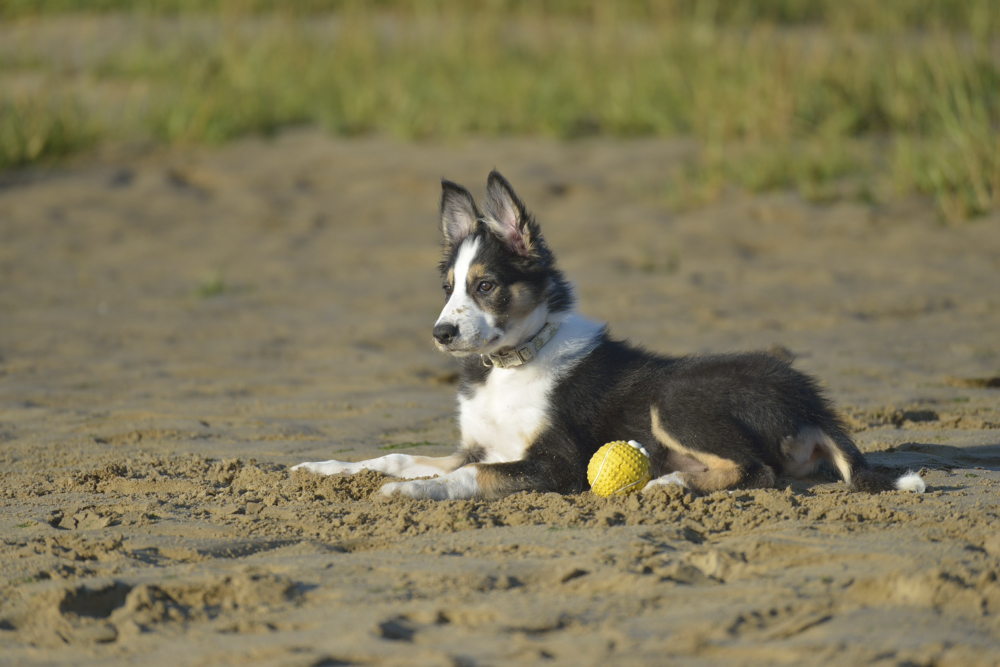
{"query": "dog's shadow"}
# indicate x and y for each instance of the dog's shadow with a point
(914, 455)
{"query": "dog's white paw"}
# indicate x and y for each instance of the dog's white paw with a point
(325, 467)
(458, 484)
(421, 489)
(673, 478)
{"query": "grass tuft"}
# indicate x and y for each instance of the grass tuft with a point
(212, 285)
(41, 127)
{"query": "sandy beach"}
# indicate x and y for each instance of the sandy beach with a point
(178, 328)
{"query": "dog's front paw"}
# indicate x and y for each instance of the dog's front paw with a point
(325, 467)
(673, 479)
(421, 489)
(458, 484)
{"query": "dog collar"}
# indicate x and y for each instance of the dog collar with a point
(524, 353)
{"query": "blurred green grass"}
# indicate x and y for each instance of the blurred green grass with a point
(834, 98)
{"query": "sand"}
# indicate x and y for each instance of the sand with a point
(179, 328)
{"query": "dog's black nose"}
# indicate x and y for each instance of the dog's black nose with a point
(445, 332)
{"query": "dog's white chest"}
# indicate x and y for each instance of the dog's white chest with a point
(506, 414)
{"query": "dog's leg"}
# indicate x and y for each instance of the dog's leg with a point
(394, 465)
(728, 475)
(461, 483)
(718, 472)
(489, 481)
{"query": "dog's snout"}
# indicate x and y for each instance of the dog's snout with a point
(445, 332)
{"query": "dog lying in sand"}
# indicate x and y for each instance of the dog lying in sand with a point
(542, 388)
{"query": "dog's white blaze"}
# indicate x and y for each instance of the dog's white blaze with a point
(462, 483)
(505, 415)
(475, 326)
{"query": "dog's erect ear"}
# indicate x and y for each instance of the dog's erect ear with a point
(506, 215)
(459, 214)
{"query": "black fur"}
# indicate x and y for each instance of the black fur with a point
(739, 407)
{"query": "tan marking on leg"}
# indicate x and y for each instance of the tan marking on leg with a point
(731, 477)
(445, 464)
(713, 480)
(710, 461)
(722, 473)
(491, 484)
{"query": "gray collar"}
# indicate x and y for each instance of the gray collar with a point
(523, 353)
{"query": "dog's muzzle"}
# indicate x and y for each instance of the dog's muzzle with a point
(445, 333)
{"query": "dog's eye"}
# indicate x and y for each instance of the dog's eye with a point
(485, 287)
(447, 289)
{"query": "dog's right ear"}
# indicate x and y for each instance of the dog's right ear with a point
(459, 214)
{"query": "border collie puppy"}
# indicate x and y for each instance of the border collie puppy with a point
(542, 388)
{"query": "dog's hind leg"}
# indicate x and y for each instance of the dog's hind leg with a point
(705, 472)
(728, 475)
(394, 465)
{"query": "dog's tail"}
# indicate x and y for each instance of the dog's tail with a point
(858, 473)
(876, 481)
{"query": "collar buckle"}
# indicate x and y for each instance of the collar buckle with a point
(523, 354)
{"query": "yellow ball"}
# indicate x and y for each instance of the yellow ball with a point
(618, 469)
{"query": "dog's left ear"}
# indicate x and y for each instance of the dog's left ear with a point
(507, 217)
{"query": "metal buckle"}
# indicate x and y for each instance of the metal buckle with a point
(508, 359)
(525, 353)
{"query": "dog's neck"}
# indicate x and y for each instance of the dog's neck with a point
(523, 353)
